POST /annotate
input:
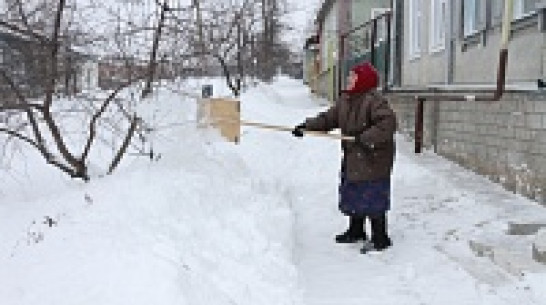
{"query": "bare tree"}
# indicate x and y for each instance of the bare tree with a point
(40, 121)
(157, 39)
(242, 38)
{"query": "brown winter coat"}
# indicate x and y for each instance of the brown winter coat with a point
(369, 118)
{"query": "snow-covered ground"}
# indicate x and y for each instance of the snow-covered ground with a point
(216, 223)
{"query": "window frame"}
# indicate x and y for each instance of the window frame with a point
(415, 16)
(472, 18)
(438, 25)
(381, 25)
(519, 10)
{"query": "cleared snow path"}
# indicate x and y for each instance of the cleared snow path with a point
(439, 210)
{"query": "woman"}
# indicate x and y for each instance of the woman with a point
(364, 191)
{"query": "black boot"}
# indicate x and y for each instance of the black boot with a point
(354, 233)
(380, 239)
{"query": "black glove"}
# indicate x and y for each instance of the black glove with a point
(298, 131)
(362, 142)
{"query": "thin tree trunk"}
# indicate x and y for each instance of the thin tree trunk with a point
(153, 57)
(53, 60)
(124, 145)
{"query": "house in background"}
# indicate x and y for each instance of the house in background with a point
(21, 59)
(24, 58)
(327, 28)
(310, 62)
(446, 48)
(87, 71)
(337, 53)
(357, 32)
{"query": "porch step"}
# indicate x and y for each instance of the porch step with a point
(513, 256)
(539, 247)
(525, 228)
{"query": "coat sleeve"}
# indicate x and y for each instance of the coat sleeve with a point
(383, 124)
(324, 121)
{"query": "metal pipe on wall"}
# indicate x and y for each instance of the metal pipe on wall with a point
(341, 65)
(497, 94)
(372, 41)
(419, 114)
(449, 43)
(387, 53)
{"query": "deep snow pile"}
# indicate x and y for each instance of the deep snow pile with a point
(193, 227)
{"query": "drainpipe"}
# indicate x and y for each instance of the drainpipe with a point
(449, 43)
(497, 94)
(387, 54)
(341, 64)
(503, 59)
(372, 41)
(342, 23)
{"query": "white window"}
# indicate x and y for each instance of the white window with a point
(381, 23)
(524, 8)
(472, 13)
(415, 28)
(438, 24)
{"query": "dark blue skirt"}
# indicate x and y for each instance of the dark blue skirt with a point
(364, 198)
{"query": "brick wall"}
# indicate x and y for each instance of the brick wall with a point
(505, 140)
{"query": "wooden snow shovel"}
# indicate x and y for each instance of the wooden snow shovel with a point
(225, 114)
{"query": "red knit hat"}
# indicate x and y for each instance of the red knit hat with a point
(367, 78)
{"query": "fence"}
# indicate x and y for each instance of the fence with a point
(370, 41)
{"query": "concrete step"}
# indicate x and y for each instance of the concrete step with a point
(511, 255)
(515, 228)
(539, 247)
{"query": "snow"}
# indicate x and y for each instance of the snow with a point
(212, 222)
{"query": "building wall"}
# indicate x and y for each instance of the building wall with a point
(429, 67)
(475, 57)
(22, 59)
(524, 62)
(89, 75)
(361, 10)
(505, 141)
(307, 64)
(328, 53)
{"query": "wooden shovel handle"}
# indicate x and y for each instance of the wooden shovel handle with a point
(308, 132)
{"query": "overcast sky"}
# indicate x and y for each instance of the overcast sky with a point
(301, 18)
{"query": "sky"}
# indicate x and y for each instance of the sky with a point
(301, 19)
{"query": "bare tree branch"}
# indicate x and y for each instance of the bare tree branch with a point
(8, 107)
(94, 119)
(124, 145)
(19, 136)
